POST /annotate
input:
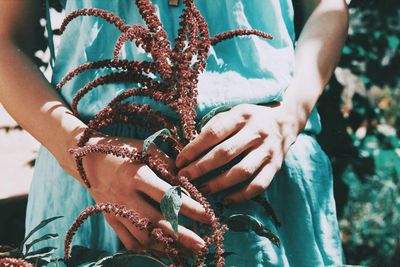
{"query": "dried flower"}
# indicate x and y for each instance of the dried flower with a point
(170, 79)
(12, 262)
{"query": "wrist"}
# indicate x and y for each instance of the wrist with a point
(74, 136)
(298, 102)
(71, 129)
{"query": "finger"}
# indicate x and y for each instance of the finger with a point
(156, 153)
(153, 149)
(127, 239)
(216, 130)
(143, 236)
(185, 237)
(239, 173)
(256, 187)
(155, 188)
(221, 154)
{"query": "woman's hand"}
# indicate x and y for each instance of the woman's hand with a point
(117, 180)
(263, 134)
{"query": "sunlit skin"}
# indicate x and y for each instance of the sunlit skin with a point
(264, 133)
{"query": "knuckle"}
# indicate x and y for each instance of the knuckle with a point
(134, 172)
(202, 216)
(276, 137)
(270, 153)
(244, 171)
(137, 181)
(198, 169)
(258, 186)
(244, 110)
(216, 185)
(261, 134)
(256, 136)
(213, 132)
(225, 152)
(184, 239)
(245, 116)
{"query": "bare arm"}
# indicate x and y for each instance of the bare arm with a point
(24, 91)
(244, 130)
(317, 52)
(35, 105)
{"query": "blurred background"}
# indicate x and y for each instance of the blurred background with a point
(361, 130)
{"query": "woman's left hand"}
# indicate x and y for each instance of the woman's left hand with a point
(263, 134)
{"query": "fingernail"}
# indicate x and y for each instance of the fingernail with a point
(205, 189)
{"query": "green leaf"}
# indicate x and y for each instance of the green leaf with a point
(247, 223)
(37, 228)
(170, 206)
(347, 50)
(5, 248)
(377, 34)
(5, 254)
(211, 114)
(365, 79)
(85, 256)
(149, 140)
(126, 259)
(10, 252)
(361, 51)
(40, 253)
(393, 41)
(43, 238)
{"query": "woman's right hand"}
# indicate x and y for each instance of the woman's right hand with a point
(45, 115)
(134, 185)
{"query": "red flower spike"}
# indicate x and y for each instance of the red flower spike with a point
(12, 262)
(119, 210)
(117, 77)
(230, 34)
(136, 33)
(170, 79)
(107, 16)
(132, 66)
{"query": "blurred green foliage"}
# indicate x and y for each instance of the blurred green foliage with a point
(363, 142)
(372, 50)
(371, 219)
(366, 166)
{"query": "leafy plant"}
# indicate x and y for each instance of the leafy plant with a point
(170, 205)
(373, 48)
(171, 79)
(247, 223)
(23, 255)
(355, 115)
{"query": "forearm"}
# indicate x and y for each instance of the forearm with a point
(317, 52)
(34, 104)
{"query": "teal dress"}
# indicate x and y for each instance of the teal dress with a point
(242, 70)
